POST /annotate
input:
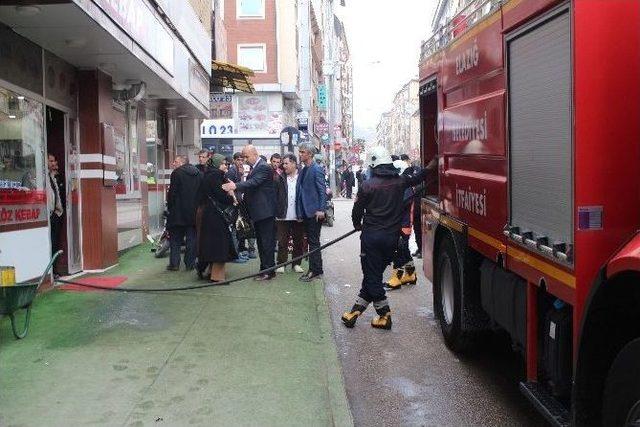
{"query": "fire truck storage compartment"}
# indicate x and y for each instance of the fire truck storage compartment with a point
(429, 129)
(504, 298)
(540, 128)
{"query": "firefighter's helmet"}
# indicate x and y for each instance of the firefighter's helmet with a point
(401, 165)
(379, 156)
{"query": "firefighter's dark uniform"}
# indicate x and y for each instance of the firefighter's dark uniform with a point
(378, 211)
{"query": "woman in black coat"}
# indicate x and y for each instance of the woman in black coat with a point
(216, 245)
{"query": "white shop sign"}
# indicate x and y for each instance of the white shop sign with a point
(214, 128)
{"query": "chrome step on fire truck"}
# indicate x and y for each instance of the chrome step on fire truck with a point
(533, 107)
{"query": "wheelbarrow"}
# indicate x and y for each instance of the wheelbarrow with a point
(20, 297)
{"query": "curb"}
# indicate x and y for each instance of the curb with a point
(337, 397)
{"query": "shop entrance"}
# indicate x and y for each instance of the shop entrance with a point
(63, 159)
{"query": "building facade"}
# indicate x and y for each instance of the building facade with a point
(260, 35)
(399, 128)
(111, 89)
(344, 96)
(295, 51)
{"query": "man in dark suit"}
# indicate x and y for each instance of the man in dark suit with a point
(311, 202)
(259, 195)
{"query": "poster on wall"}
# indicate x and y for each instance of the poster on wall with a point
(254, 116)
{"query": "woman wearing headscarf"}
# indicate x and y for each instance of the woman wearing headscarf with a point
(216, 245)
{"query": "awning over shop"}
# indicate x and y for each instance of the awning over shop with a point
(231, 76)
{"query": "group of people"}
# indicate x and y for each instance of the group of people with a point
(284, 200)
(218, 211)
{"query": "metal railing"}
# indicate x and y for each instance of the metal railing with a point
(461, 22)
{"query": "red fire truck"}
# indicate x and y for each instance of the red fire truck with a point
(533, 107)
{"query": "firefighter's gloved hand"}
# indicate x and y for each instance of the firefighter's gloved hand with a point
(357, 227)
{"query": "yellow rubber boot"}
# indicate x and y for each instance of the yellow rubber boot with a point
(383, 319)
(350, 317)
(395, 281)
(409, 277)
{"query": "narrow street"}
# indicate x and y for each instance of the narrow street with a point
(407, 376)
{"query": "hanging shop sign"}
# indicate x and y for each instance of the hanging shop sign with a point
(322, 97)
(321, 127)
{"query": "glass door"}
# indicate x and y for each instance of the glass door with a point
(74, 221)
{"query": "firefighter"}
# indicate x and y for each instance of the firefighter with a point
(378, 212)
(404, 271)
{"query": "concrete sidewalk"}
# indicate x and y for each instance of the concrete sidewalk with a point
(244, 354)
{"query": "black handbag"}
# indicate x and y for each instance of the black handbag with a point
(228, 213)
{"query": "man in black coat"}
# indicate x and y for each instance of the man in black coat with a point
(182, 204)
(259, 196)
(349, 181)
(203, 157)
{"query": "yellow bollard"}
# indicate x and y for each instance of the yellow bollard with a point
(7, 275)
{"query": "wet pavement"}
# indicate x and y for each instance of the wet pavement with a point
(407, 376)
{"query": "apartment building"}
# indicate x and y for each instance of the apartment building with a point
(261, 35)
(291, 47)
(399, 128)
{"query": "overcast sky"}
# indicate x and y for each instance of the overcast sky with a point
(384, 40)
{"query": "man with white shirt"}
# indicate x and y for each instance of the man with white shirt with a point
(287, 222)
(54, 203)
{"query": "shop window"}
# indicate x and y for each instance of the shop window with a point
(153, 169)
(253, 9)
(22, 166)
(253, 56)
(127, 153)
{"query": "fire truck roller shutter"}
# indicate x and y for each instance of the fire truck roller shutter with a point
(541, 168)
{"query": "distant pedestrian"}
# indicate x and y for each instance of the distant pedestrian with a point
(182, 204)
(311, 202)
(289, 227)
(348, 181)
(259, 196)
(216, 240)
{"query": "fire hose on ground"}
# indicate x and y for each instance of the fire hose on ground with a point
(209, 285)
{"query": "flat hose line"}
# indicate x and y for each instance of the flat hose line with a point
(209, 285)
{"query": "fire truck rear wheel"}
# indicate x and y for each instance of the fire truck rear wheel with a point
(621, 400)
(447, 298)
